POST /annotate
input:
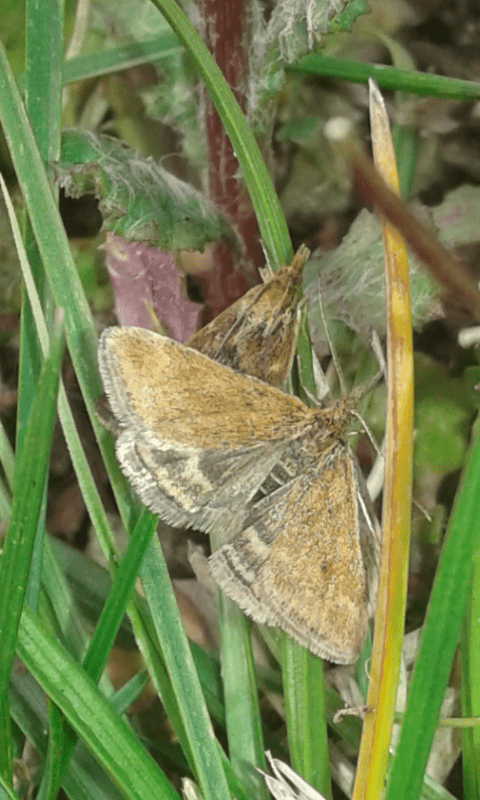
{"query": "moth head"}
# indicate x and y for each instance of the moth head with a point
(336, 418)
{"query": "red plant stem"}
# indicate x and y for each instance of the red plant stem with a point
(226, 35)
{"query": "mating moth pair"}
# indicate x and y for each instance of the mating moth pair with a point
(205, 446)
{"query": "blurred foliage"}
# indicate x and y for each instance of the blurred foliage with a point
(138, 199)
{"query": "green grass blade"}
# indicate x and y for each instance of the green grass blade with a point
(49, 232)
(43, 73)
(207, 764)
(106, 735)
(130, 692)
(7, 457)
(242, 712)
(29, 480)
(82, 469)
(305, 715)
(119, 58)
(4, 503)
(109, 622)
(439, 638)
(61, 270)
(84, 779)
(399, 80)
(82, 343)
(43, 94)
(118, 597)
(52, 767)
(470, 650)
(7, 791)
(66, 617)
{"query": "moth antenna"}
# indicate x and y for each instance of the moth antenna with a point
(367, 431)
(338, 368)
(362, 392)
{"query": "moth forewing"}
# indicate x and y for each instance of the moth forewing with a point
(298, 562)
(186, 398)
(257, 335)
(196, 439)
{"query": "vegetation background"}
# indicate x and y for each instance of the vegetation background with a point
(253, 178)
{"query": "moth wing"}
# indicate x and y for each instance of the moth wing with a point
(298, 563)
(195, 439)
(165, 390)
(192, 487)
(257, 334)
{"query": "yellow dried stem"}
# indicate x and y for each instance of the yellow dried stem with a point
(389, 620)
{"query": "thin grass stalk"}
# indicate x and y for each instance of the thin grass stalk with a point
(389, 619)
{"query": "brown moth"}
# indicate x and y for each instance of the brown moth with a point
(207, 447)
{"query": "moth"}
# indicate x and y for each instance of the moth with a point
(207, 447)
